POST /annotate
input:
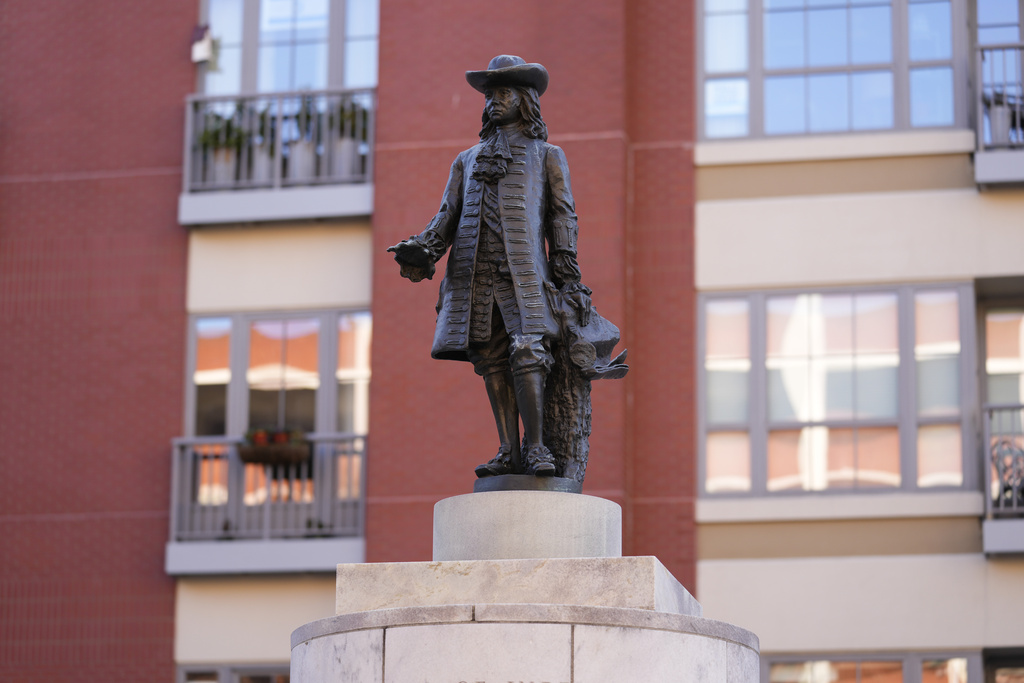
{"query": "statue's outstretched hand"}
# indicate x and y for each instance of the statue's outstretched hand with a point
(578, 296)
(414, 259)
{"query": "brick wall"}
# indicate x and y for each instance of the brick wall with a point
(619, 105)
(92, 275)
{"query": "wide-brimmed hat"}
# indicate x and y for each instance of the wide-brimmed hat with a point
(509, 70)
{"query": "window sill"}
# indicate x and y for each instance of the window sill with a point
(258, 206)
(824, 147)
(262, 557)
(852, 506)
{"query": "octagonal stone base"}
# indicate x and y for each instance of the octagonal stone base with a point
(493, 643)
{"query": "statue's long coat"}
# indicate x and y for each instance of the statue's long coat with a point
(536, 207)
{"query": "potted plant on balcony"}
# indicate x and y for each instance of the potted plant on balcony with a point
(349, 128)
(302, 149)
(274, 447)
(221, 141)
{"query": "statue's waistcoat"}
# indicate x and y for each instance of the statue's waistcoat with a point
(526, 222)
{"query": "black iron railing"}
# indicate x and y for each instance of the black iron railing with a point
(1004, 471)
(1000, 105)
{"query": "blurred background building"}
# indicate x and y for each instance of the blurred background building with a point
(806, 217)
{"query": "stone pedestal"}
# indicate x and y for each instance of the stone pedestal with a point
(506, 525)
(558, 613)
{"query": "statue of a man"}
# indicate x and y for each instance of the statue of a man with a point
(509, 218)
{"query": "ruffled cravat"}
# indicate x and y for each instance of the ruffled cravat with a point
(492, 159)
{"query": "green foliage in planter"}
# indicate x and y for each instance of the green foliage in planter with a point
(222, 132)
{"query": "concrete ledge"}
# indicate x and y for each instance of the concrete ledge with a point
(527, 613)
(1003, 536)
(844, 146)
(630, 582)
(262, 557)
(997, 167)
(809, 507)
(285, 204)
(504, 525)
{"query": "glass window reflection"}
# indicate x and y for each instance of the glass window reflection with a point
(726, 107)
(828, 103)
(872, 99)
(1004, 355)
(212, 375)
(827, 37)
(784, 40)
(931, 97)
(728, 462)
(784, 105)
(283, 374)
(871, 35)
(930, 31)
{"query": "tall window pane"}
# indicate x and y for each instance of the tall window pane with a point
(361, 29)
(224, 72)
(727, 361)
(1004, 355)
(353, 373)
(293, 44)
(283, 374)
(212, 375)
(937, 351)
(931, 35)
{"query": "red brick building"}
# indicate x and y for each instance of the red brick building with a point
(804, 217)
(137, 284)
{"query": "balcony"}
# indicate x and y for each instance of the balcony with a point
(281, 156)
(1003, 527)
(230, 517)
(999, 158)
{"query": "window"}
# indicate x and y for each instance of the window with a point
(301, 371)
(238, 674)
(999, 22)
(835, 390)
(284, 45)
(908, 668)
(786, 67)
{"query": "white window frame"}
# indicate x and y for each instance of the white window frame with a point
(757, 424)
(900, 65)
(237, 408)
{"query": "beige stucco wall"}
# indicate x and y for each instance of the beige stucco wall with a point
(280, 267)
(888, 603)
(858, 238)
(246, 620)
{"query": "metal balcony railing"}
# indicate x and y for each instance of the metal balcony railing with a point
(1004, 472)
(279, 140)
(1000, 105)
(216, 496)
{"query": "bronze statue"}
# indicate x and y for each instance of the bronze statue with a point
(511, 301)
